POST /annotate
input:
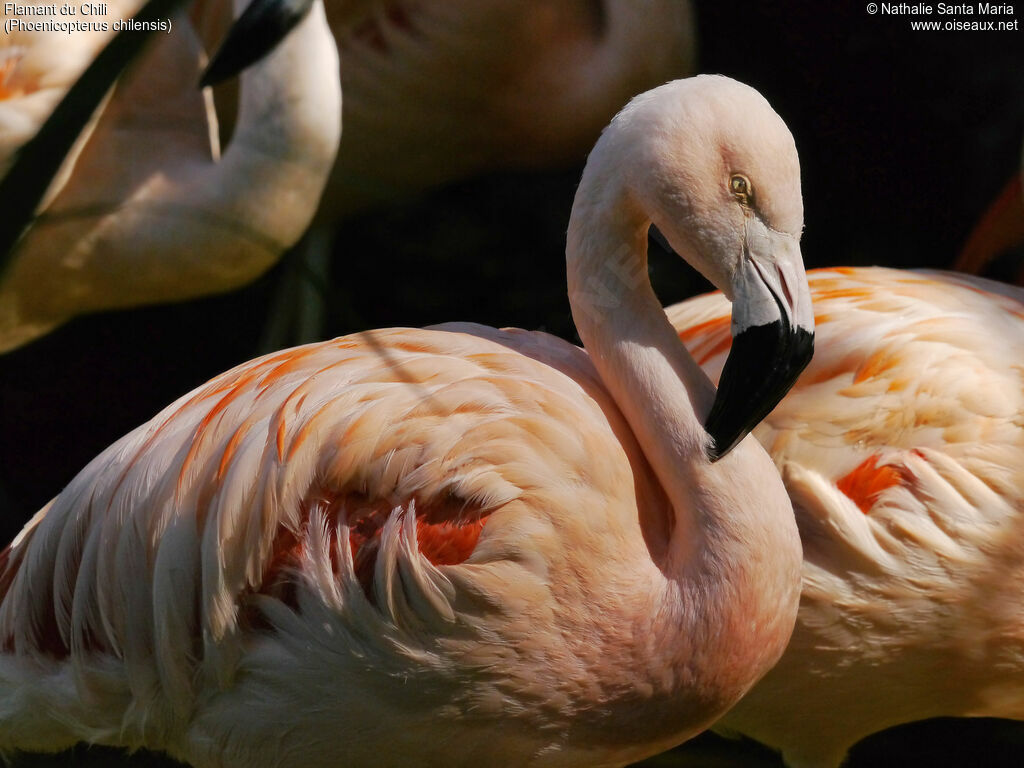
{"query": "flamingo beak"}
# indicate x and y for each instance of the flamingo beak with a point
(255, 33)
(772, 331)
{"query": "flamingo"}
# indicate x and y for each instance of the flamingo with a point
(146, 209)
(439, 90)
(902, 447)
(434, 92)
(507, 86)
(456, 545)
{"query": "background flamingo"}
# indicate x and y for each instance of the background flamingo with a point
(421, 79)
(459, 544)
(145, 209)
(902, 447)
(502, 84)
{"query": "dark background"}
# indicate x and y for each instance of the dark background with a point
(904, 138)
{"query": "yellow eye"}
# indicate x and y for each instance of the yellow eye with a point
(739, 185)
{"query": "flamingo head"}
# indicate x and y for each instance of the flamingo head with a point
(727, 199)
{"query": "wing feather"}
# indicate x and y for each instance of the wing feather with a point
(354, 474)
(902, 444)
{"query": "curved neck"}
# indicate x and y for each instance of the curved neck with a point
(661, 391)
(728, 599)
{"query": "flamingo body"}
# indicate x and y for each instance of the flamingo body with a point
(455, 427)
(902, 447)
(455, 545)
(504, 86)
(268, 589)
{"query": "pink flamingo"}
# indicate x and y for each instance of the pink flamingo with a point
(902, 447)
(459, 545)
(439, 90)
(146, 208)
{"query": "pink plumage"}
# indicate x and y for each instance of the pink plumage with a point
(902, 447)
(452, 546)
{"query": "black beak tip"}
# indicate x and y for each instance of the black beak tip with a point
(723, 439)
(255, 33)
(762, 366)
(715, 452)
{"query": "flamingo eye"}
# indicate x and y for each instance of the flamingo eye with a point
(739, 186)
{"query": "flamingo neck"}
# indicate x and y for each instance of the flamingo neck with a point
(730, 572)
(661, 391)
